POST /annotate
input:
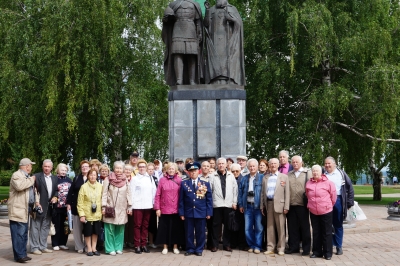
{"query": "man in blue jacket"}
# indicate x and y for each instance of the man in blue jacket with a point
(195, 206)
(249, 203)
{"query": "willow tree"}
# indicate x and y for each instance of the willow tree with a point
(81, 79)
(323, 79)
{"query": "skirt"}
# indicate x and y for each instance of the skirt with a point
(170, 230)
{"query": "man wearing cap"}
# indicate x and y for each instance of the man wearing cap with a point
(181, 166)
(242, 161)
(225, 194)
(133, 160)
(195, 206)
(46, 186)
(20, 202)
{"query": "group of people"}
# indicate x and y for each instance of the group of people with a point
(247, 205)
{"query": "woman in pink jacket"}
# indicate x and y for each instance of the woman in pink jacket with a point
(321, 194)
(170, 227)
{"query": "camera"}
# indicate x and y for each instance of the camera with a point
(94, 207)
(37, 209)
(250, 194)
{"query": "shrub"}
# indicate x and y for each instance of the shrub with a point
(5, 177)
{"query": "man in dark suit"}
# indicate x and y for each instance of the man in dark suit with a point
(284, 166)
(195, 206)
(46, 194)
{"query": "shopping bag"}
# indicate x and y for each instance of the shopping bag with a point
(70, 220)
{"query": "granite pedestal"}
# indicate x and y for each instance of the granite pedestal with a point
(207, 121)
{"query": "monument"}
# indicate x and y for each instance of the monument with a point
(204, 67)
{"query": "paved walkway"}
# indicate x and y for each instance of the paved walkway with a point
(374, 241)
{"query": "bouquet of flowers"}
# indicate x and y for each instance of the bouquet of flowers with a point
(201, 191)
(3, 202)
(394, 204)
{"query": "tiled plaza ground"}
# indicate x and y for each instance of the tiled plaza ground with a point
(374, 241)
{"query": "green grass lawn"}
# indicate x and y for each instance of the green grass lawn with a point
(4, 192)
(369, 201)
(361, 189)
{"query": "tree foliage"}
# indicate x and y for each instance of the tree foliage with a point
(81, 79)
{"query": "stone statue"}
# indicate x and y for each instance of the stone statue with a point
(224, 42)
(182, 34)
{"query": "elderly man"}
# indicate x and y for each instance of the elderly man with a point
(249, 204)
(133, 160)
(205, 169)
(238, 238)
(20, 203)
(298, 217)
(284, 166)
(242, 161)
(345, 199)
(224, 191)
(275, 199)
(46, 186)
(195, 206)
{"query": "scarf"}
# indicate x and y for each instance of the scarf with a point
(117, 180)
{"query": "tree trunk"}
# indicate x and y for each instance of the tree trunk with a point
(376, 184)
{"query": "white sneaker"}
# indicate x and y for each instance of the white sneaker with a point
(56, 248)
(112, 253)
(176, 251)
(64, 247)
(80, 251)
(119, 252)
(164, 251)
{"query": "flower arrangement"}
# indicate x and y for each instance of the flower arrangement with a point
(394, 204)
(3, 202)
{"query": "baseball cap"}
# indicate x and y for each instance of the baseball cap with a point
(26, 161)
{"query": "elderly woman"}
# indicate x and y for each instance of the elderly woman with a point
(128, 238)
(153, 217)
(321, 194)
(263, 167)
(104, 172)
(143, 189)
(117, 195)
(72, 201)
(89, 209)
(59, 240)
(166, 206)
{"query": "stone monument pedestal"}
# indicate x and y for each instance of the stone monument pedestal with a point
(207, 121)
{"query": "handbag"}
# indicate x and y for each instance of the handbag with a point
(305, 199)
(110, 211)
(52, 230)
(233, 222)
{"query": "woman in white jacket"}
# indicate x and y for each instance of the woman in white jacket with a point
(143, 191)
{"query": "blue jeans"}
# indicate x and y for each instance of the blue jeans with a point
(253, 227)
(19, 238)
(337, 221)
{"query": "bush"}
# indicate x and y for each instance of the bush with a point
(5, 177)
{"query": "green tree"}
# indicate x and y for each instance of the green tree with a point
(81, 79)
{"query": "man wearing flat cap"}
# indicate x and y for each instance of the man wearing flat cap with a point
(242, 161)
(195, 206)
(20, 203)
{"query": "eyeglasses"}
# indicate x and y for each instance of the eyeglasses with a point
(141, 166)
(235, 171)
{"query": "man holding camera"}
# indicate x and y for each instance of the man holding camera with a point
(249, 204)
(46, 194)
(21, 200)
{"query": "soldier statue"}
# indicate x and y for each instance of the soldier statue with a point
(224, 42)
(182, 34)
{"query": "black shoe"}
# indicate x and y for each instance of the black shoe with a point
(138, 250)
(21, 260)
(27, 258)
(305, 253)
(228, 249)
(313, 256)
(188, 253)
(288, 251)
(214, 249)
(145, 250)
(339, 251)
(96, 253)
(328, 258)
(198, 254)
(89, 254)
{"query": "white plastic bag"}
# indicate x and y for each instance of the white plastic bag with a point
(355, 214)
(70, 220)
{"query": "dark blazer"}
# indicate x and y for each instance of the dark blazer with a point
(41, 189)
(192, 207)
(72, 198)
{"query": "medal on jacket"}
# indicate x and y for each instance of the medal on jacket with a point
(283, 183)
(201, 191)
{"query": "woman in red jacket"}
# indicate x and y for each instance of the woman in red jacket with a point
(166, 205)
(321, 194)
